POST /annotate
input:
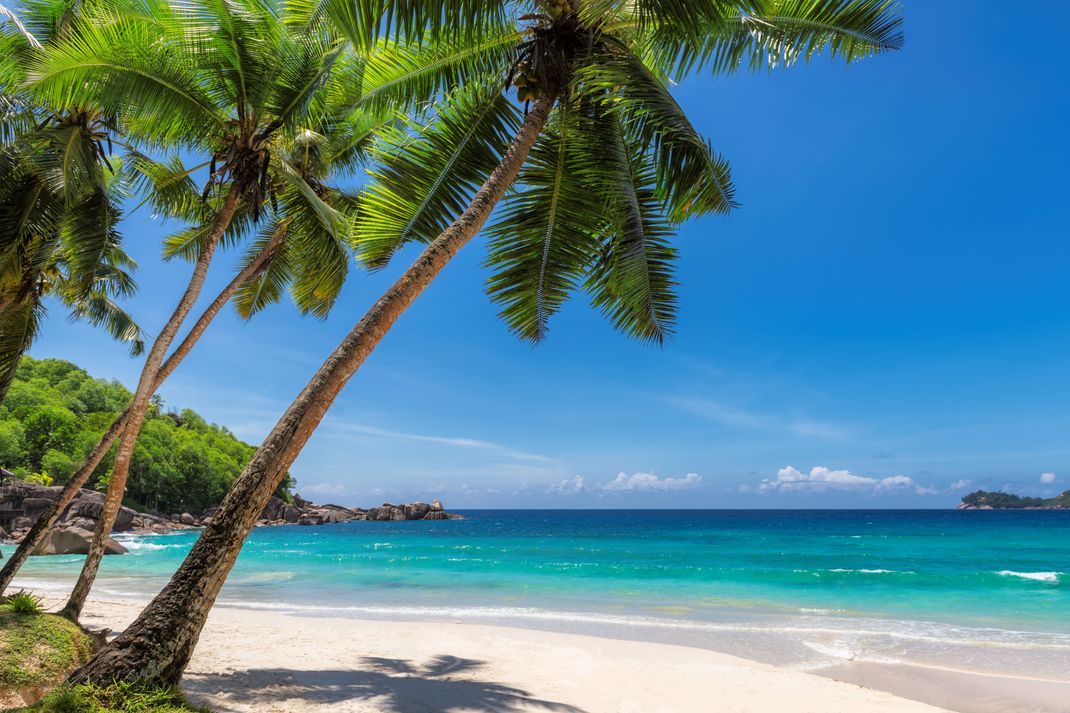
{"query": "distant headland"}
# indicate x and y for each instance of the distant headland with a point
(998, 500)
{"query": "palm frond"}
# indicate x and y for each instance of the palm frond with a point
(548, 229)
(66, 157)
(269, 285)
(18, 329)
(14, 20)
(168, 186)
(413, 75)
(304, 200)
(425, 179)
(365, 21)
(101, 311)
(89, 241)
(692, 178)
(632, 282)
(186, 244)
(305, 65)
(350, 138)
(319, 259)
(123, 65)
(781, 33)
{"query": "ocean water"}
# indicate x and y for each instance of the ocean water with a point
(984, 591)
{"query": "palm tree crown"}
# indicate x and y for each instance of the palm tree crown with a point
(60, 186)
(619, 164)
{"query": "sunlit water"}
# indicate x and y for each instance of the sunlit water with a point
(976, 591)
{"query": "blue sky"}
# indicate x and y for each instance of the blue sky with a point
(883, 323)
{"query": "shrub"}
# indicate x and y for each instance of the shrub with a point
(116, 698)
(23, 602)
(42, 478)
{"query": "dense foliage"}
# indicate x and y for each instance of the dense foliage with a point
(55, 413)
(1009, 501)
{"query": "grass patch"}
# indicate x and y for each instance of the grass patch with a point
(117, 698)
(38, 649)
(25, 603)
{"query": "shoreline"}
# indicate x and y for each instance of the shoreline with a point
(256, 660)
(267, 660)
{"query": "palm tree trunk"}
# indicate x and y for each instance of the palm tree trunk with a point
(139, 407)
(48, 518)
(158, 645)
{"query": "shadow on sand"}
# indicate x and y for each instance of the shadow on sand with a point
(443, 684)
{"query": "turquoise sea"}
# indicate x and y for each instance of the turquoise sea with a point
(984, 591)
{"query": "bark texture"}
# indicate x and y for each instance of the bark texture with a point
(157, 646)
(139, 407)
(48, 518)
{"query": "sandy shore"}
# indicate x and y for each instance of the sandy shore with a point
(957, 690)
(267, 661)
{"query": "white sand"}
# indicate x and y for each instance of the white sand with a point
(267, 661)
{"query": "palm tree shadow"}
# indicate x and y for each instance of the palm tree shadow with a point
(443, 684)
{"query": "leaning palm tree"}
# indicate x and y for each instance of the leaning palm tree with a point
(60, 185)
(226, 78)
(54, 250)
(614, 166)
(301, 247)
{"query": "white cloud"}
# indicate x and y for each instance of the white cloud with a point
(334, 488)
(649, 482)
(569, 487)
(820, 479)
(1047, 478)
(961, 484)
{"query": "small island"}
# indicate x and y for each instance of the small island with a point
(998, 500)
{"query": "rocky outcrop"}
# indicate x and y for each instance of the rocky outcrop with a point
(303, 512)
(21, 503)
(74, 541)
(412, 511)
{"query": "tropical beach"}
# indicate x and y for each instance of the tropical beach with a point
(643, 608)
(593, 356)
(359, 665)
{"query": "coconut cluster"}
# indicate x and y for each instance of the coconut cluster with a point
(527, 84)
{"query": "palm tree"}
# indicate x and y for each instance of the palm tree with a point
(54, 250)
(601, 122)
(227, 78)
(301, 247)
(59, 190)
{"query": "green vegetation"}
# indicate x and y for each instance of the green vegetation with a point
(55, 413)
(1009, 501)
(124, 698)
(22, 602)
(38, 649)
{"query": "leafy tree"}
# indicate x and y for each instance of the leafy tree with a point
(615, 165)
(51, 427)
(12, 439)
(180, 464)
(59, 465)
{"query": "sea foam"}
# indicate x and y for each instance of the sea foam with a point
(1052, 577)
